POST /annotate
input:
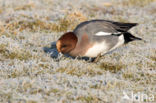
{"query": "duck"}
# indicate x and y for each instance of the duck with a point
(95, 38)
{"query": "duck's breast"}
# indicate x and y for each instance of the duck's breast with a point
(104, 44)
(97, 48)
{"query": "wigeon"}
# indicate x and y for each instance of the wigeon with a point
(95, 38)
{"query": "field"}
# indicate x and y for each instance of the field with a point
(32, 72)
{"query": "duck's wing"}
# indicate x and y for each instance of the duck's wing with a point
(111, 26)
(102, 27)
(123, 27)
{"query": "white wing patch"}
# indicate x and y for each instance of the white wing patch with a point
(102, 33)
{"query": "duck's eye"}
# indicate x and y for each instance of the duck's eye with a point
(63, 46)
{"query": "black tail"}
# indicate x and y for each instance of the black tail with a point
(129, 37)
(124, 26)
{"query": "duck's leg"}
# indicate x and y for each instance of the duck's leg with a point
(91, 59)
(97, 58)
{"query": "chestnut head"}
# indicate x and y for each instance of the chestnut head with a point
(66, 42)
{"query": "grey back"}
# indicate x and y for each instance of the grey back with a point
(94, 26)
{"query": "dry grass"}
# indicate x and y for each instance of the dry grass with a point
(68, 22)
(78, 72)
(88, 99)
(21, 55)
(28, 6)
(114, 68)
(137, 2)
(36, 24)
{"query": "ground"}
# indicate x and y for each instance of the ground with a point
(31, 73)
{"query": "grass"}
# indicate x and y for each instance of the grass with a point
(79, 72)
(21, 55)
(35, 25)
(137, 2)
(114, 68)
(28, 6)
(68, 22)
(153, 58)
(87, 99)
(1, 11)
(120, 19)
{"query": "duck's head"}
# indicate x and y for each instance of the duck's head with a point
(66, 42)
